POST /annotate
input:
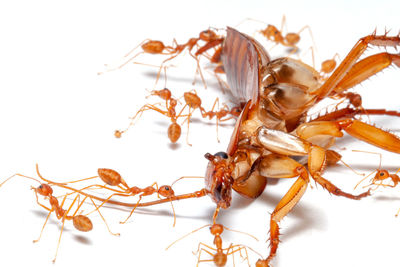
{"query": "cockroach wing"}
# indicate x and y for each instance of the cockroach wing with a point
(235, 135)
(241, 57)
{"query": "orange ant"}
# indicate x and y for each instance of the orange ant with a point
(126, 191)
(148, 46)
(380, 175)
(81, 222)
(220, 257)
(174, 130)
(193, 101)
(113, 178)
(272, 33)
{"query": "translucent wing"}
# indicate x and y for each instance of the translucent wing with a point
(241, 57)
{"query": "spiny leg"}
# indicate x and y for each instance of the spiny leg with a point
(350, 60)
(366, 68)
(348, 112)
(358, 129)
(289, 168)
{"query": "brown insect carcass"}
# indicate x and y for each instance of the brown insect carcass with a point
(272, 128)
(273, 132)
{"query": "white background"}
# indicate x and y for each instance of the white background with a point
(56, 111)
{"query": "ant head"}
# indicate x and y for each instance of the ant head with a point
(216, 229)
(270, 31)
(163, 93)
(44, 190)
(208, 35)
(218, 178)
(380, 175)
(166, 191)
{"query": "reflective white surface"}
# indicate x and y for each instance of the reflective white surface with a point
(56, 111)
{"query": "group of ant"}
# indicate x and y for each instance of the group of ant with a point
(115, 186)
(207, 40)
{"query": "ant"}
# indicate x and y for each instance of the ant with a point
(81, 222)
(174, 129)
(148, 46)
(193, 101)
(380, 175)
(220, 257)
(113, 178)
(290, 39)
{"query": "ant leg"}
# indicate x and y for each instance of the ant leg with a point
(198, 69)
(63, 223)
(130, 214)
(199, 250)
(40, 204)
(104, 220)
(108, 200)
(108, 69)
(161, 66)
(59, 240)
(45, 222)
(118, 133)
(80, 180)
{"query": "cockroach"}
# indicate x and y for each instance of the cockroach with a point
(272, 129)
(273, 135)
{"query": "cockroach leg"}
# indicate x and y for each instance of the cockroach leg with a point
(350, 72)
(280, 166)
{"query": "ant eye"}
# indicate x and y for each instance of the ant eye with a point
(221, 155)
(381, 174)
(40, 186)
(167, 188)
